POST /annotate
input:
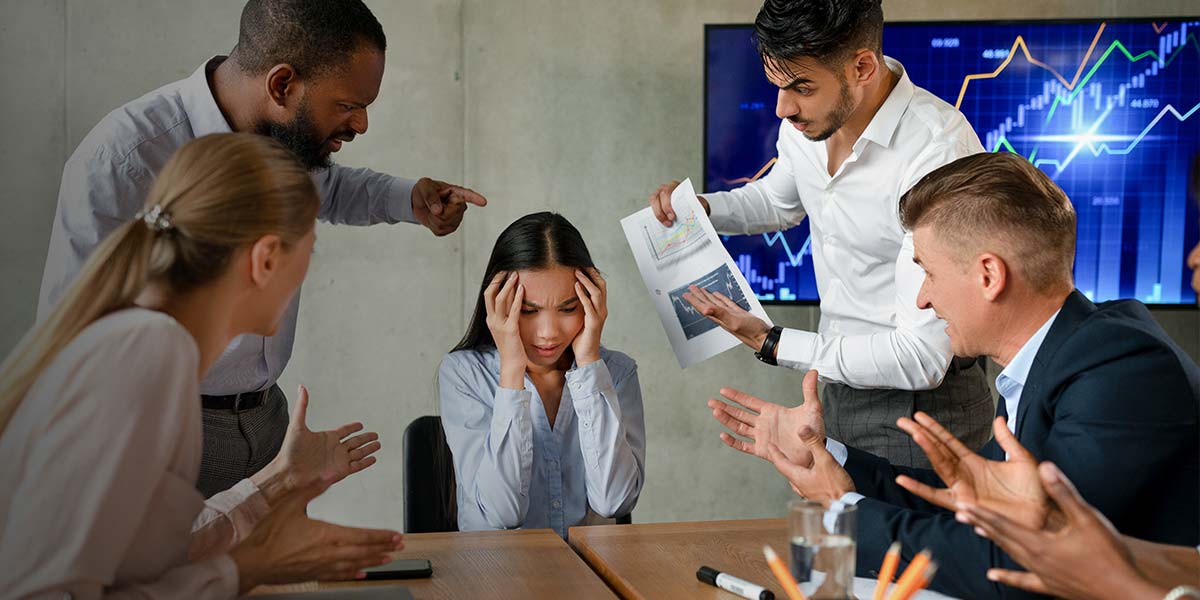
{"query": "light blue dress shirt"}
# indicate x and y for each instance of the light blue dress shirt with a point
(108, 176)
(516, 471)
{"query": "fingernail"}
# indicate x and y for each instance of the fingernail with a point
(992, 576)
(360, 575)
(960, 517)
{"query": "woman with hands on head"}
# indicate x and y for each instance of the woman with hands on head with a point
(544, 423)
(1035, 514)
(100, 424)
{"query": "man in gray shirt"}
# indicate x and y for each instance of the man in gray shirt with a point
(303, 72)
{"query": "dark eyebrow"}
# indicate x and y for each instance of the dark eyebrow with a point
(795, 83)
(568, 302)
(531, 304)
(916, 259)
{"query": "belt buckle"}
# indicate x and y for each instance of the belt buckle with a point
(237, 401)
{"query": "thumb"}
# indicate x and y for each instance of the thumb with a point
(810, 392)
(1063, 492)
(809, 436)
(300, 413)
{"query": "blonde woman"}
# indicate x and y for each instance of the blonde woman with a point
(100, 426)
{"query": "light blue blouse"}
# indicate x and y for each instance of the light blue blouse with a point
(515, 471)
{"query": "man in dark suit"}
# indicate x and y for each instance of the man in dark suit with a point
(1099, 390)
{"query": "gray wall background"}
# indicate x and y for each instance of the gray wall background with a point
(576, 106)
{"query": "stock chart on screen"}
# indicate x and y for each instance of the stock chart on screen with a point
(1109, 109)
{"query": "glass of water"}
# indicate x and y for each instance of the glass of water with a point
(823, 545)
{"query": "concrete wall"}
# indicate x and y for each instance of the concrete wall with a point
(575, 106)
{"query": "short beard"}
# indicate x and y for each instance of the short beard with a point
(837, 116)
(300, 137)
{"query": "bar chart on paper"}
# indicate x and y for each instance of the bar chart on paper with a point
(1108, 109)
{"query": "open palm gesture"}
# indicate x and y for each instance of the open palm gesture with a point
(1010, 486)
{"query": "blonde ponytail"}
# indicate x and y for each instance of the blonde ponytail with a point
(217, 194)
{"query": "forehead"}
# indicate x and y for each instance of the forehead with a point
(782, 72)
(927, 246)
(358, 80)
(550, 285)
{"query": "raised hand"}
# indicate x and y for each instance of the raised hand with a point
(307, 455)
(593, 296)
(1011, 486)
(719, 309)
(503, 299)
(289, 547)
(1084, 558)
(440, 206)
(764, 424)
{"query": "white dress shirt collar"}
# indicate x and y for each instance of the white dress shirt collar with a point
(1011, 380)
(882, 128)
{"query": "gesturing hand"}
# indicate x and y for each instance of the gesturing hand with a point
(660, 203)
(765, 424)
(287, 546)
(719, 309)
(823, 480)
(1085, 558)
(593, 296)
(503, 299)
(440, 206)
(307, 455)
(1011, 486)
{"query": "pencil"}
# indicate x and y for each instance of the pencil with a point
(915, 569)
(790, 587)
(919, 583)
(888, 570)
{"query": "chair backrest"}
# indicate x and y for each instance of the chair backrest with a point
(430, 502)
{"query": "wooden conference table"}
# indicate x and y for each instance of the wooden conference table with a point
(651, 561)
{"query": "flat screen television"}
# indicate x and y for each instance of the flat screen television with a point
(1110, 109)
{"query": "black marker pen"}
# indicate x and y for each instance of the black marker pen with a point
(732, 584)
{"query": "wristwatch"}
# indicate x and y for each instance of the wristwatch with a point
(767, 352)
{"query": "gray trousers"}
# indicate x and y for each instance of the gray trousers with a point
(238, 444)
(866, 419)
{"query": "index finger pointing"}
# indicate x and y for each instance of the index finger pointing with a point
(462, 195)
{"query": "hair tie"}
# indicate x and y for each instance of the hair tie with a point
(157, 219)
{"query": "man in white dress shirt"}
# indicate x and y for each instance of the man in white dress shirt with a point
(855, 134)
(303, 72)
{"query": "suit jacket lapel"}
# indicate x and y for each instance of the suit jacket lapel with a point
(1074, 311)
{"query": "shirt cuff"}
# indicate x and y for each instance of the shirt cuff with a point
(796, 349)
(586, 381)
(399, 201)
(510, 404)
(838, 450)
(719, 215)
(851, 498)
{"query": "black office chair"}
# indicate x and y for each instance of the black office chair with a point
(430, 503)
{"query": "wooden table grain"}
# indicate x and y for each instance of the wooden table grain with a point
(659, 560)
(528, 563)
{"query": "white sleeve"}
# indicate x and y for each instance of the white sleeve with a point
(771, 203)
(227, 519)
(358, 196)
(102, 461)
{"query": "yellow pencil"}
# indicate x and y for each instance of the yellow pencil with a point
(783, 575)
(915, 570)
(890, 561)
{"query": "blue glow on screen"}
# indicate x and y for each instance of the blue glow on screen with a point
(1109, 109)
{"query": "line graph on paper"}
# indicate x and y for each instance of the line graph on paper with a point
(669, 245)
(1108, 109)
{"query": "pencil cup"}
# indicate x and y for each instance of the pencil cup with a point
(822, 549)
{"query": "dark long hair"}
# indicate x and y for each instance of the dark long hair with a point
(533, 242)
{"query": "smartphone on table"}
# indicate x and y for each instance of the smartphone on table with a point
(408, 568)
